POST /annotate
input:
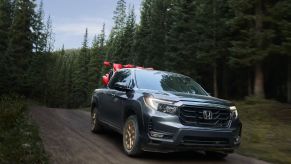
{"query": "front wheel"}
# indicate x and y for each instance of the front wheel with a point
(131, 140)
(96, 127)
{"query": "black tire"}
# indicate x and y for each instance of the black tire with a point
(136, 148)
(216, 155)
(96, 127)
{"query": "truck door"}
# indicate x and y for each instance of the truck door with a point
(117, 97)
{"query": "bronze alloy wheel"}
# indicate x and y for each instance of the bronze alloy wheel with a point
(93, 121)
(130, 135)
(96, 127)
(131, 140)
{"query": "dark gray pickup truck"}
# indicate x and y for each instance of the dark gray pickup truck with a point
(163, 112)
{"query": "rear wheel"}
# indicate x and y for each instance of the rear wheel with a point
(216, 155)
(131, 140)
(96, 127)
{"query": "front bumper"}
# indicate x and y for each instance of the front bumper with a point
(165, 133)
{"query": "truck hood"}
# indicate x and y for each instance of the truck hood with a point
(186, 98)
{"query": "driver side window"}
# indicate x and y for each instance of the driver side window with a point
(123, 76)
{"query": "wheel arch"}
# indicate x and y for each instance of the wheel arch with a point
(94, 102)
(134, 109)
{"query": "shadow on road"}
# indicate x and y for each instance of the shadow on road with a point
(116, 138)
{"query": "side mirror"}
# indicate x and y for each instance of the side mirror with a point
(122, 86)
(105, 79)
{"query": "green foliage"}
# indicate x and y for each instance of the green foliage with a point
(23, 69)
(119, 17)
(115, 38)
(254, 38)
(80, 76)
(226, 45)
(150, 41)
(20, 45)
(49, 36)
(281, 17)
(10, 108)
(59, 90)
(265, 130)
(98, 55)
(39, 40)
(143, 34)
(159, 27)
(5, 23)
(23, 66)
(19, 140)
(182, 31)
(214, 41)
(126, 48)
(211, 41)
(73, 73)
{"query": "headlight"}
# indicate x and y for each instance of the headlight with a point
(234, 112)
(164, 106)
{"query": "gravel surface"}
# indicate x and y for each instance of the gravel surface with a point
(67, 139)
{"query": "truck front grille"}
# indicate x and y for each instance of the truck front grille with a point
(193, 116)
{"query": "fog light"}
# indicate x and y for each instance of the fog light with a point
(237, 140)
(156, 134)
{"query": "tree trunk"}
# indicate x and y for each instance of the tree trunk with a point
(225, 81)
(259, 77)
(250, 89)
(259, 82)
(289, 81)
(215, 88)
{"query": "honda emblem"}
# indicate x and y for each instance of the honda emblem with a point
(207, 115)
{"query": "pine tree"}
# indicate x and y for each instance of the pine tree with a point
(97, 57)
(149, 46)
(254, 37)
(81, 74)
(282, 17)
(93, 72)
(159, 27)
(114, 42)
(39, 31)
(5, 23)
(142, 38)
(49, 36)
(64, 79)
(55, 91)
(181, 38)
(119, 17)
(214, 37)
(20, 45)
(101, 37)
(37, 64)
(126, 52)
(69, 81)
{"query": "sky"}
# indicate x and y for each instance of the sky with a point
(70, 19)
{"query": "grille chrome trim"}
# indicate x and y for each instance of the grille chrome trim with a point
(193, 116)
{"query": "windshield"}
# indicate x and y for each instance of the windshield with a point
(169, 82)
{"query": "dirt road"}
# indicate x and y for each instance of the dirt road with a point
(67, 139)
